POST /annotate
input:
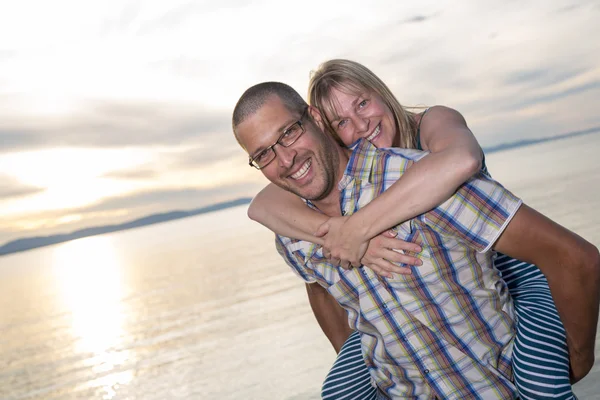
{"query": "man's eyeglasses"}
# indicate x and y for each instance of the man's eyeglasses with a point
(287, 138)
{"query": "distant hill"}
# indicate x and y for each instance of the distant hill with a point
(529, 142)
(40, 241)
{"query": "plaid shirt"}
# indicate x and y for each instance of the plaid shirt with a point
(447, 330)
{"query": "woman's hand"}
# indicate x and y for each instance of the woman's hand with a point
(344, 244)
(380, 255)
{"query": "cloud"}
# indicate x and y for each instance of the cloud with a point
(7, 54)
(195, 57)
(115, 124)
(204, 155)
(179, 14)
(173, 17)
(122, 20)
(555, 95)
(161, 200)
(543, 76)
(150, 198)
(10, 188)
(569, 7)
(137, 173)
(420, 18)
(209, 150)
(123, 208)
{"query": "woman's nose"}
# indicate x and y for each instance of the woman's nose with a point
(362, 124)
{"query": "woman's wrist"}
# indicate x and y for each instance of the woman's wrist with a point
(358, 227)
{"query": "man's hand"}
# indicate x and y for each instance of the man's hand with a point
(572, 267)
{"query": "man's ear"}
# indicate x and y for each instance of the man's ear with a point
(316, 116)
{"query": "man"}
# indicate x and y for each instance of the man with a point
(446, 331)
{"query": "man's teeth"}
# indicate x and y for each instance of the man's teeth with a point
(375, 133)
(302, 171)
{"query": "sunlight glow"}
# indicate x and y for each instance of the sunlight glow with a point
(60, 167)
(70, 177)
(88, 271)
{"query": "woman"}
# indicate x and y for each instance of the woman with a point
(357, 104)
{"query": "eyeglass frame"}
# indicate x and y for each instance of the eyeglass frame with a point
(277, 142)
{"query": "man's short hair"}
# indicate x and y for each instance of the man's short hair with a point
(256, 96)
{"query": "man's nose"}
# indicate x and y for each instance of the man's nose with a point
(285, 156)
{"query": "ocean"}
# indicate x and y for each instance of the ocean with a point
(204, 308)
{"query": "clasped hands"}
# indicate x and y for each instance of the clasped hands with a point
(346, 244)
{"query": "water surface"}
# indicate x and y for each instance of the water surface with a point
(204, 308)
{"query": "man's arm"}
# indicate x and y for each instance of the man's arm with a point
(332, 318)
(571, 266)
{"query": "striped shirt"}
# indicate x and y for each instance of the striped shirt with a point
(447, 330)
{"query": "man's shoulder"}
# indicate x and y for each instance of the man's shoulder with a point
(368, 161)
(365, 154)
(365, 147)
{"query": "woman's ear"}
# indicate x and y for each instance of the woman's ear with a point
(316, 116)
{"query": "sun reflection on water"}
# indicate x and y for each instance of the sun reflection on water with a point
(89, 275)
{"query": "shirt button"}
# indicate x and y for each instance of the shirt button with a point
(426, 371)
(385, 306)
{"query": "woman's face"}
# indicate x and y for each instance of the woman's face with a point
(363, 115)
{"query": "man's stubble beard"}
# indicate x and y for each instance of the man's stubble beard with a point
(326, 168)
(331, 160)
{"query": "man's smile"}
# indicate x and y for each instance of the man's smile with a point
(302, 171)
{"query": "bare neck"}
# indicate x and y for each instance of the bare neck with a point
(331, 204)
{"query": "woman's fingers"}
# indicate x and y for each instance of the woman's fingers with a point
(385, 268)
(398, 244)
(401, 258)
(389, 233)
(323, 229)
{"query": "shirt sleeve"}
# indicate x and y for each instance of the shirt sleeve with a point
(293, 259)
(477, 213)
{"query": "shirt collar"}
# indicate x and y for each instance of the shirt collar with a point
(358, 168)
(360, 164)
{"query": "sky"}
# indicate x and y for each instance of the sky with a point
(115, 109)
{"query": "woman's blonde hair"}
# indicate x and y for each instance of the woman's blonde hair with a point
(352, 77)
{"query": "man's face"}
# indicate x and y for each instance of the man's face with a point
(307, 168)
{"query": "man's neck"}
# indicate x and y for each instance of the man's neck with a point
(331, 204)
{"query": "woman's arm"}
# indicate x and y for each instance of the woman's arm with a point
(455, 157)
(286, 214)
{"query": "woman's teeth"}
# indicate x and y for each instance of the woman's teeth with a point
(375, 133)
(302, 171)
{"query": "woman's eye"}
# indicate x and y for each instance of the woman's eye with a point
(362, 104)
(342, 123)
